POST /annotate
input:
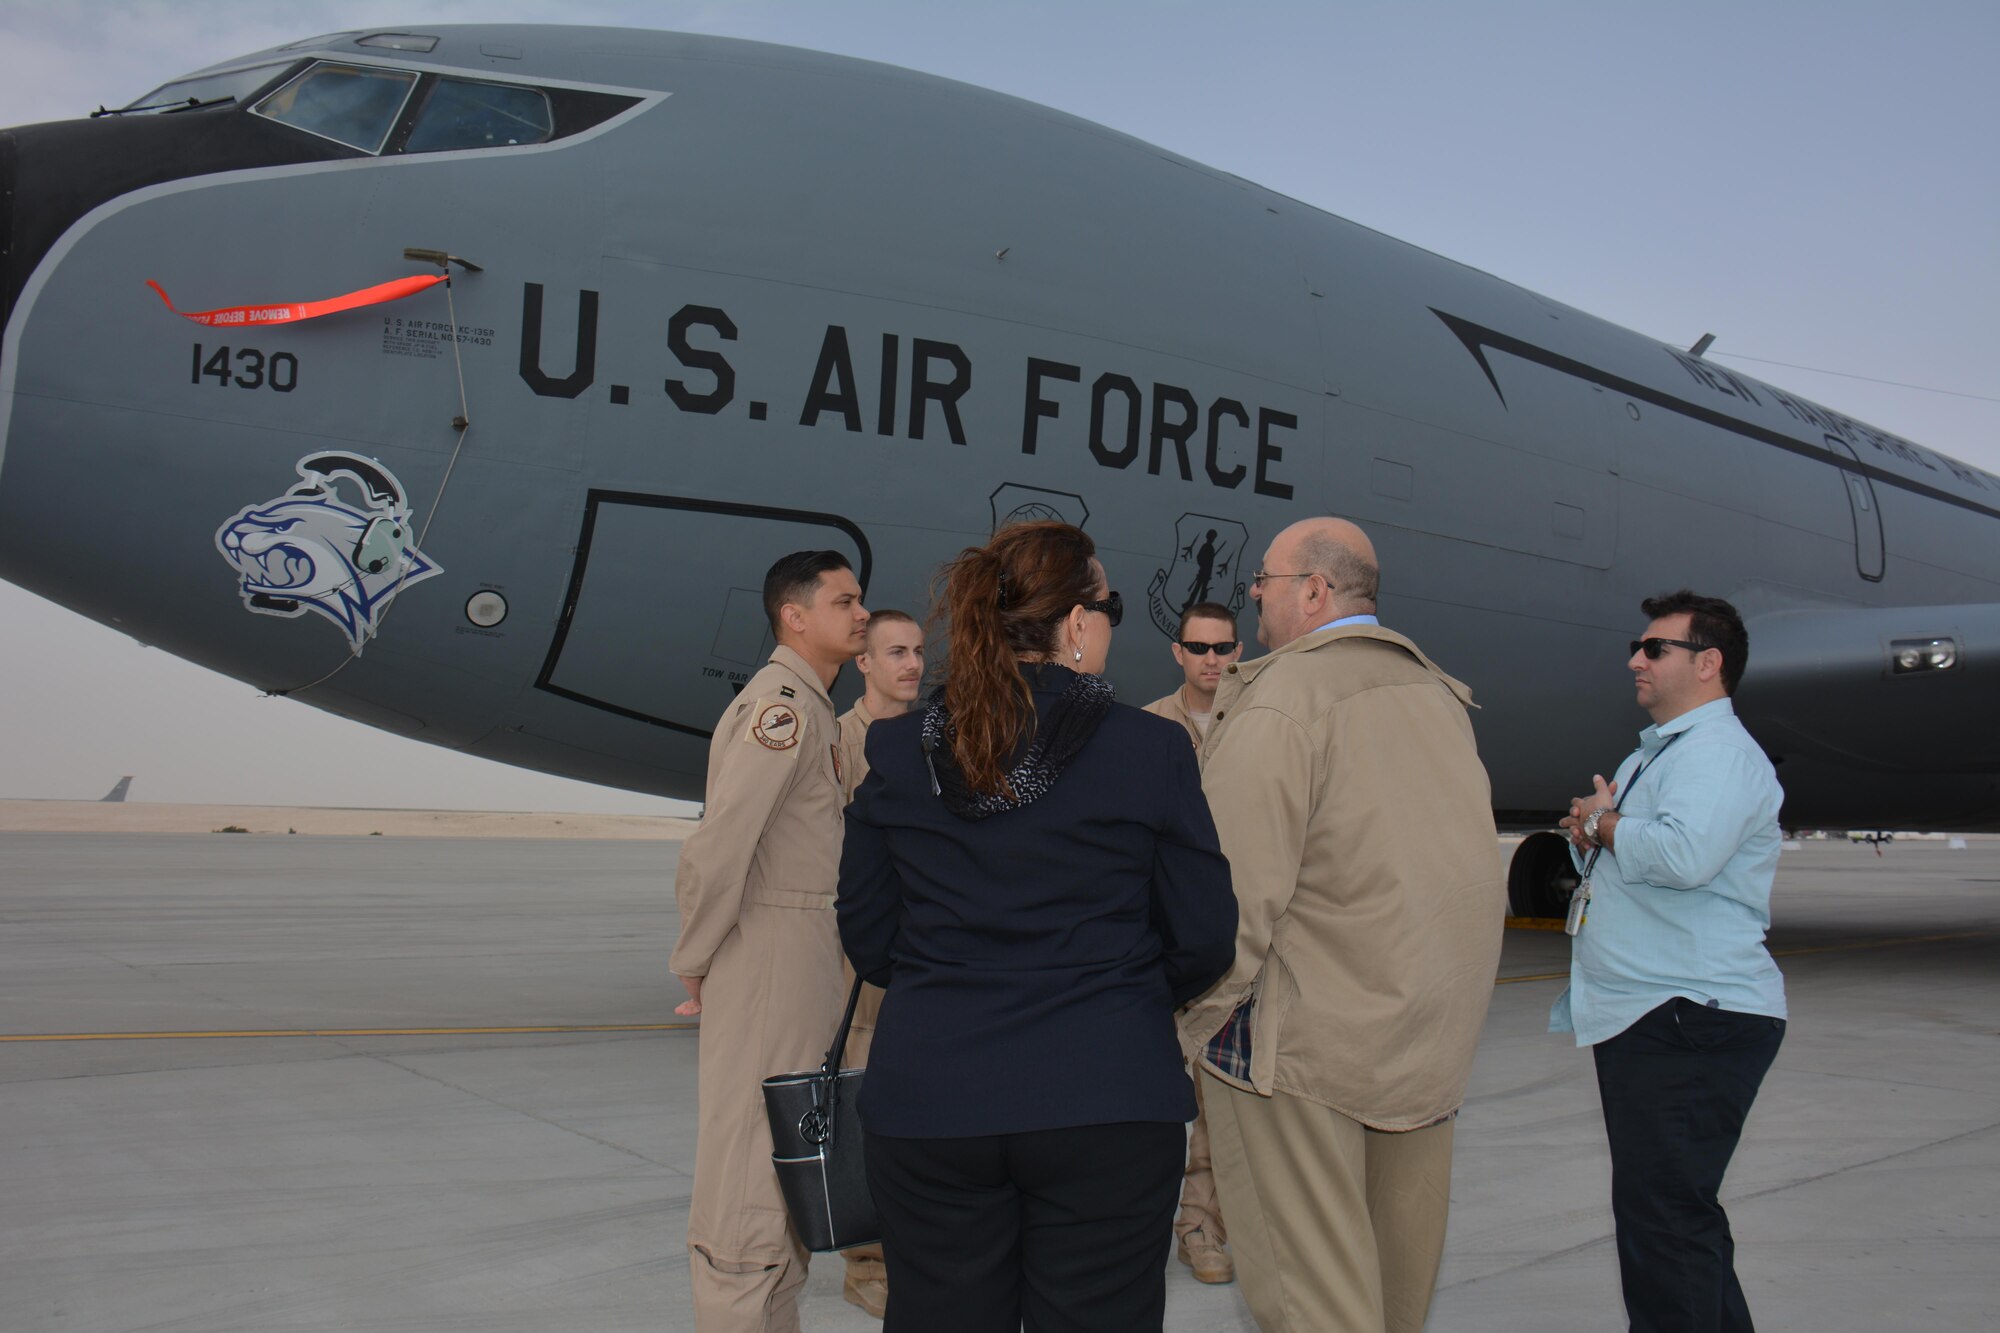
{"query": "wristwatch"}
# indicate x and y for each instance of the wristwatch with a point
(1590, 823)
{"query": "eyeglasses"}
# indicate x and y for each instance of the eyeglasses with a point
(1113, 608)
(1196, 648)
(1653, 648)
(1259, 579)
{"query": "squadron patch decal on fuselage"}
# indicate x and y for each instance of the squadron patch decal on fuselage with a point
(1206, 566)
(310, 549)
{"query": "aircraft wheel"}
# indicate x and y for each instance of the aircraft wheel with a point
(1541, 879)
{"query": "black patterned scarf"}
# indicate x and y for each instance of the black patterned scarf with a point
(1061, 730)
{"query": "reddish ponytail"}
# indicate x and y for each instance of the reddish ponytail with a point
(1001, 602)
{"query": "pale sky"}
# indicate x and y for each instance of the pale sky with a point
(1814, 182)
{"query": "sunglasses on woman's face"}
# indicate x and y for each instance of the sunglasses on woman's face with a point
(1196, 648)
(1653, 648)
(1113, 607)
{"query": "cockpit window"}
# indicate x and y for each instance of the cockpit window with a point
(352, 104)
(464, 114)
(231, 86)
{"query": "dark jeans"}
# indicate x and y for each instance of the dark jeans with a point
(1061, 1229)
(1676, 1086)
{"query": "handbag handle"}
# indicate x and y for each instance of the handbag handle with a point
(831, 1065)
(816, 1126)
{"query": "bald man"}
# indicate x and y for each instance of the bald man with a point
(1358, 823)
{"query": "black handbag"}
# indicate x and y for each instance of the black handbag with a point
(816, 1148)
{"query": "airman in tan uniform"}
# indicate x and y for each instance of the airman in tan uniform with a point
(892, 669)
(758, 950)
(1199, 1232)
(1175, 709)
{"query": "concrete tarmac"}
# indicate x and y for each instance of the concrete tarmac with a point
(429, 1162)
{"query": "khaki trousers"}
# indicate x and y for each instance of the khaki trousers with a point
(1337, 1228)
(770, 1005)
(1199, 1210)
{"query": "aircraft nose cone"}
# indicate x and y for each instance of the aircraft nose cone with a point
(52, 174)
(52, 177)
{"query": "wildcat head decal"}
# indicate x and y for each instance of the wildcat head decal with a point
(339, 544)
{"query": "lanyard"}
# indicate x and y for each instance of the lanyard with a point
(1579, 903)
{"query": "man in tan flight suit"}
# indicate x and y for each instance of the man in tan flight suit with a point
(1357, 819)
(758, 950)
(1208, 643)
(892, 673)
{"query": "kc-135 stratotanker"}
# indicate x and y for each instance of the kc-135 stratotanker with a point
(464, 382)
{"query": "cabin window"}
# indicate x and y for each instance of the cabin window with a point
(463, 114)
(202, 90)
(352, 104)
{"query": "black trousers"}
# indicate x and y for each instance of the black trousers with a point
(1676, 1087)
(1057, 1230)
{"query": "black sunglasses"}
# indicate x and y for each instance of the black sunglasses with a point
(1113, 608)
(1652, 648)
(1197, 648)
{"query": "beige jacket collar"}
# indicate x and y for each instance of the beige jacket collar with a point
(1247, 672)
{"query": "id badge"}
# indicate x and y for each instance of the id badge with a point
(1579, 909)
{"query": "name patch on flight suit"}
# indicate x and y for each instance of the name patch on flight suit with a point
(776, 726)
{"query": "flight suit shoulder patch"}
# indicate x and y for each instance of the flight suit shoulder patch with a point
(775, 724)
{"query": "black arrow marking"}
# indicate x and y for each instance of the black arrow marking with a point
(1478, 339)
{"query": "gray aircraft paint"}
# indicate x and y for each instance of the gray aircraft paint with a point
(837, 303)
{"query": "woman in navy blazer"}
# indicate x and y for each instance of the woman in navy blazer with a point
(1031, 871)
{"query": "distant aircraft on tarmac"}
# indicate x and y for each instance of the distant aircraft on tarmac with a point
(464, 382)
(117, 792)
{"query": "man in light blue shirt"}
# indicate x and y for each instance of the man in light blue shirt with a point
(1670, 982)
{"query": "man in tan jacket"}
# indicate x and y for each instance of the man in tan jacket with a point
(1358, 824)
(1207, 646)
(758, 950)
(892, 673)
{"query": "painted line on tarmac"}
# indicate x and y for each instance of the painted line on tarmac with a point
(347, 1032)
(1889, 943)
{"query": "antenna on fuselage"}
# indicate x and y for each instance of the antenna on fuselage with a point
(1701, 344)
(440, 258)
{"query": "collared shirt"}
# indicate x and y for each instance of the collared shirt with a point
(1681, 907)
(1363, 619)
(1228, 1051)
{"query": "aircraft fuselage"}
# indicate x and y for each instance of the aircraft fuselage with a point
(749, 299)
